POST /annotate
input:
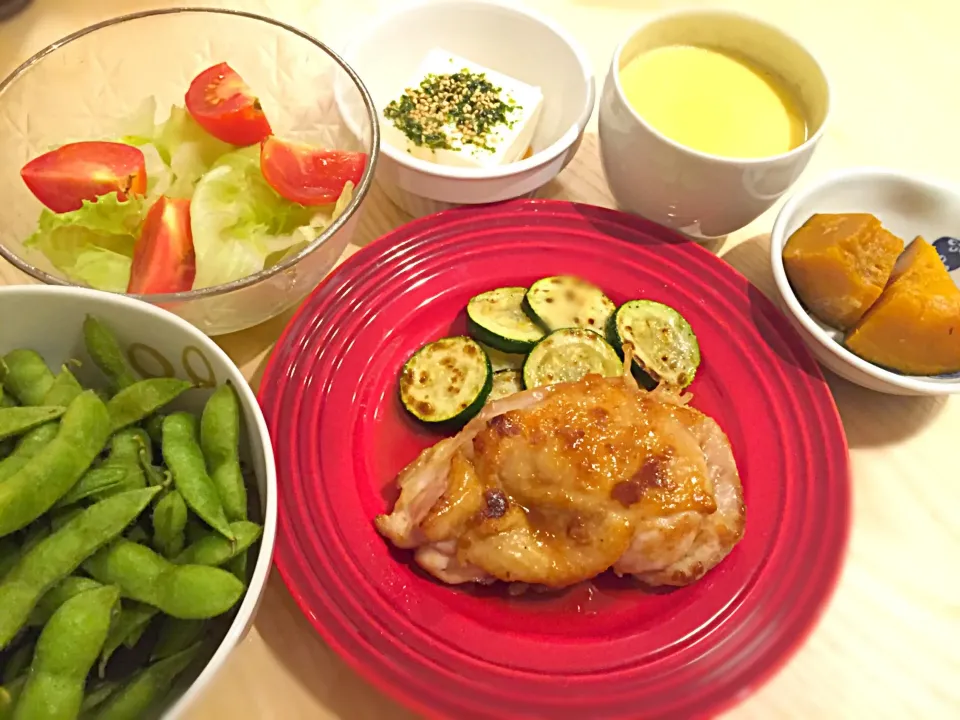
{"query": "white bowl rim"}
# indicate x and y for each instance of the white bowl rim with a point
(733, 14)
(538, 159)
(359, 192)
(922, 384)
(264, 563)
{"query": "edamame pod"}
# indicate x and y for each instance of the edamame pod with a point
(64, 390)
(143, 398)
(185, 460)
(98, 483)
(176, 635)
(67, 648)
(9, 695)
(106, 353)
(215, 550)
(220, 442)
(27, 448)
(57, 595)
(9, 554)
(61, 553)
(26, 376)
(189, 592)
(144, 689)
(126, 630)
(169, 523)
(33, 489)
(98, 696)
(16, 421)
(154, 427)
(17, 663)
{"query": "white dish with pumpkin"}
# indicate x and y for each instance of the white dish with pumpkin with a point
(870, 295)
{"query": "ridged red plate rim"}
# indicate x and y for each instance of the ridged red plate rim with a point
(602, 650)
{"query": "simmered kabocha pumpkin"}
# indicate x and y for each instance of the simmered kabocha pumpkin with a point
(838, 264)
(914, 327)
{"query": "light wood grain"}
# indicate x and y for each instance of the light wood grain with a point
(889, 644)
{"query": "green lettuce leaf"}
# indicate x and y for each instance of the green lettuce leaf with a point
(178, 152)
(241, 225)
(92, 245)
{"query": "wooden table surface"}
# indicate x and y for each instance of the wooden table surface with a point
(889, 644)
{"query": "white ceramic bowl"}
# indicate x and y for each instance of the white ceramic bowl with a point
(533, 49)
(907, 206)
(701, 195)
(48, 320)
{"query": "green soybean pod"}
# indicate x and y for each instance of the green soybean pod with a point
(105, 351)
(26, 376)
(97, 696)
(67, 648)
(220, 442)
(215, 550)
(17, 663)
(64, 390)
(27, 448)
(9, 555)
(57, 556)
(154, 427)
(5, 400)
(16, 421)
(99, 482)
(9, 695)
(185, 460)
(176, 636)
(32, 536)
(33, 489)
(169, 524)
(143, 398)
(189, 592)
(126, 630)
(57, 595)
(146, 688)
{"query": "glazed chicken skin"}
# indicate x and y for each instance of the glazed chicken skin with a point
(556, 485)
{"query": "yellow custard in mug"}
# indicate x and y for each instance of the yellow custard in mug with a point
(714, 102)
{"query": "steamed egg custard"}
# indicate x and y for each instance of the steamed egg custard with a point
(714, 102)
(458, 113)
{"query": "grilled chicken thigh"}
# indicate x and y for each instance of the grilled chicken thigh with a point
(555, 485)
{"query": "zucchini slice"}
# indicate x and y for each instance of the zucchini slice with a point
(566, 301)
(446, 381)
(500, 360)
(664, 345)
(568, 355)
(496, 318)
(505, 382)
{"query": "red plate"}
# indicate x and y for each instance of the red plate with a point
(605, 649)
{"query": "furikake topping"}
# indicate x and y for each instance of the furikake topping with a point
(465, 100)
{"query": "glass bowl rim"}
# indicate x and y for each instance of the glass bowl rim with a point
(359, 194)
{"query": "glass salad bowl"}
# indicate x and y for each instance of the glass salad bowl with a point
(125, 80)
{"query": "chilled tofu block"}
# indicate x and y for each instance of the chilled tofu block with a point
(461, 114)
(838, 264)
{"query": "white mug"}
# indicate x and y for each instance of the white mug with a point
(702, 195)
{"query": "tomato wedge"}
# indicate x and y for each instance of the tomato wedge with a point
(225, 106)
(163, 258)
(63, 178)
(309, 175)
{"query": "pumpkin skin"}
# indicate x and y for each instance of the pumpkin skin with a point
(838, 264)
(914, 327)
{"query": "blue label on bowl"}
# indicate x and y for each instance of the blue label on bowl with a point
(949, 249)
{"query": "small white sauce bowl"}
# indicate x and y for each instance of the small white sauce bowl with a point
(907, 206)
(701, 195)
(515, 42)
